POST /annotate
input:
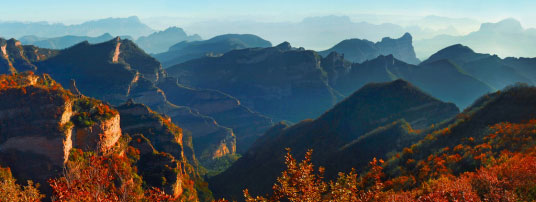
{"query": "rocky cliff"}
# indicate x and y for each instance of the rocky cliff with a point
(41, 122)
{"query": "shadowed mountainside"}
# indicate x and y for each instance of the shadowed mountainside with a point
(357, 118)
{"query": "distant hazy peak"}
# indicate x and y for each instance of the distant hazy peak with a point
(506, 25)
(175, 29)
(406, 37)
(457, 48)
(458, 52)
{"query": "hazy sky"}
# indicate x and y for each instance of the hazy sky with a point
(185, 12)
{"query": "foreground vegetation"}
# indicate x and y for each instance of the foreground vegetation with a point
(506, 172)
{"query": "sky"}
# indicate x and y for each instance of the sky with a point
(179, 12)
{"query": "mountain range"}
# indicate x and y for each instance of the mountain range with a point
(506, 38)
(279, 81)
(209, 115)
(131, 26)
(117, 70)
(156, 42)
(321, 32)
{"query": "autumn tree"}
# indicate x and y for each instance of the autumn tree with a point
(10, 191)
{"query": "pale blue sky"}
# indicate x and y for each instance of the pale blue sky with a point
(75, 11)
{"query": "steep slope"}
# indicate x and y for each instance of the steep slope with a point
(215, 46)
(373, 106)
(159, 42)
(358, 51)
(277, 81)
(490, 69)
(470, 134)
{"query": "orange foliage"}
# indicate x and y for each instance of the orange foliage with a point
(110, 177)
(507, 172)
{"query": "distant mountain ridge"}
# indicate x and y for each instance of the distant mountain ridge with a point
(161, 41)
(65, 41)
(131, 26)
(184, 51)
(358, 51)
(490, 69)
(280, 81)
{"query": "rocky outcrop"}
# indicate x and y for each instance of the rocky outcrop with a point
(40, 123)
(209, 142)
(101, 136)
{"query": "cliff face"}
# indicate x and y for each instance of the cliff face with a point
(41, 122)
(16, 57)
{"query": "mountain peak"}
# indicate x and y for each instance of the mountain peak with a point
(134, 19)
(459, 48)
(407, 35)
(174, 29)
(455, 52)
(506, 25)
